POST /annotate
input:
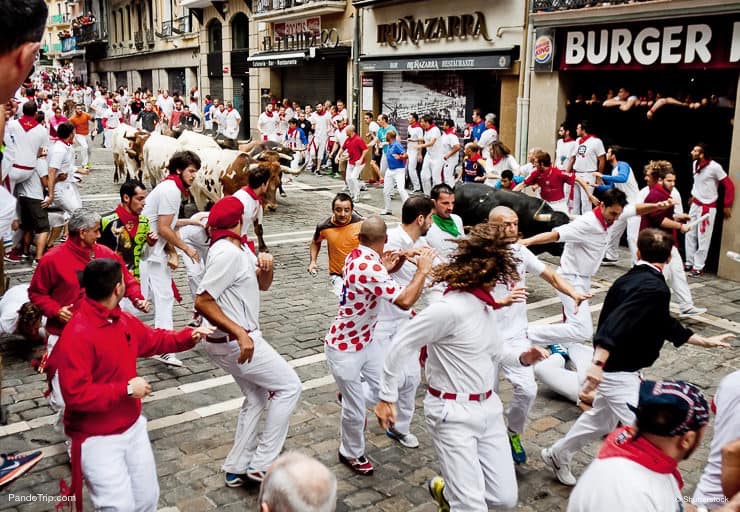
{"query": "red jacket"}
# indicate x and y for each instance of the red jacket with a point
(551, 182)
(96, 357)
(55, 283)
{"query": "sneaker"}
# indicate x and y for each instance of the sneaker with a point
(436, 488)
(361, 465)
(255, 475)
(235, 480)
(14, 466)
(562, 471)
(695, 272)
(692, 311)
(608, 262)
(169, 359)
(386, 212)
(407, 440)
(517, 450)
(363, 188)
(687, 268)
(13, 256)
(34, 263)
(557, 348)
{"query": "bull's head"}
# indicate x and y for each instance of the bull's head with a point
(135, 149)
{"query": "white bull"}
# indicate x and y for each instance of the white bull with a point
(156, 154)
(125, 161)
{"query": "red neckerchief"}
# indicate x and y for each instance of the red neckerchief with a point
(479, 293)
(291, 131)
(450, 130)
(180, 185)
(476, 156)
(218, 234)
(416, 125)
(63, 141)
(567, 139)
(431, 125)
(621, 443)
(252, 194)
(584, 139)
(600, 216)
(700, 166)
(129, 220)
(229, 110)
(497, 160)
(268, 113)
(28, 123)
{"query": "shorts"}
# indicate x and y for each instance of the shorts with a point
(33, 217)
(377, 158)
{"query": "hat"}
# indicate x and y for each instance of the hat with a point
(670, 408)
(226, 213)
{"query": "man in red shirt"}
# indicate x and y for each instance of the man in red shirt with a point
(551, 180)
(95, 361)
(356, 151)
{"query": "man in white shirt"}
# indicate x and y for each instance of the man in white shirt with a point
(251, 199)
(232, 119)
(463, 414)
(564, 148)
(166, 104)
(487, 138)
(414, 136)
(446, 225)
(25, 140)
(431, 168)
(588, 157)
(162, 209)
(450, 153)
(112, 120)
(267, 123)
(342, 111)
(61, 167)
(321, 122)
(99, 106)
(229, 300)
(708, 175)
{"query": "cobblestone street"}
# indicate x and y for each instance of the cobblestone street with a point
(192, 412)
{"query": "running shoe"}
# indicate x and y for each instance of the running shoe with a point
(517, 450)
(235, 480)
(436, 489)
(14, 466)
(168, 359)
(562, 471)
(408, 440)
(361, 465)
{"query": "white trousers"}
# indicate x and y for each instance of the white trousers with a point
(7, 211)
(429, 169)
(383, 163)
(554, 373)
(353, 179)
(83, 141)
(156, 283)
(394, 178)
(617, 389)
(67, 197)
(675, 278)
(633, 232)
(697, 243)
(524, 388)
(337, 284)
(317, 149)
(56, 400)
(349, 370)
(559, 206)
(474, 454)
(448, 171)
(120, 471)
(270, 386)
(413, 174)
(384, 335)
(581, 203)
(576, 327)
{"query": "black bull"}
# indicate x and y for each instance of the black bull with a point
(474, 201)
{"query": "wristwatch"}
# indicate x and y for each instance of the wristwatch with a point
(129, 389)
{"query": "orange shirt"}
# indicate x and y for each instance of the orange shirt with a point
(340, 240)
(81, 123)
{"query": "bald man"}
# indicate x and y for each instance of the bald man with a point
(351, 354)
(512, 322)
(298, 483)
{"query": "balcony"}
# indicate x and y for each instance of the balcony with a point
(149, 37)
(139, 40)
(283, 10)
(69, 44)
(58, 19)
(566, 5)
(177, 26)
(90, 34)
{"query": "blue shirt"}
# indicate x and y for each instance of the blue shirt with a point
(623, 173)
(395, 149)
(477, 130)
(381, 135)
(517, 180)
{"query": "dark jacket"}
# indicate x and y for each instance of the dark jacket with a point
(635, 320)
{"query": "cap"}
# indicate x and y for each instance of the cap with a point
(226, 213)
(670, 408)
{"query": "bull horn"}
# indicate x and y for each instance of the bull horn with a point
(543, 217)
(295, 172)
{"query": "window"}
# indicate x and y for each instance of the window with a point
(215, 39)
(240, 32)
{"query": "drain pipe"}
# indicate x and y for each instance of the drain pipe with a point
(356, 70)
(522, 102)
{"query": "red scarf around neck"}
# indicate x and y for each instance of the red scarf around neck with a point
(701, 165)
(63, 141)
(450, 130)
(621, 443)
(416, 125)
(600, 216)
(28, 123)
(567, 139)
(180, 185)
(252, 194)
(268, 113)
(480, 294)
(584, 139)
(129, 220)
(218, 234)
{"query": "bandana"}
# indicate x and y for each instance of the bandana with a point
(57, 139)
(180, 185)
(621, 443)
(129, 220)
(252, 194)
(567, 139)
(600, 216)
(584, 139)
(28, 123)
(269, 113)
(446, 225)
(416, 125)
(450, 130)
(479, 293)
(701, 165)
(218, 234)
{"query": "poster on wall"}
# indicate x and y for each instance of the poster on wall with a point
(310, 26)
(441, 95)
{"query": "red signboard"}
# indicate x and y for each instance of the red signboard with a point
(711, 42)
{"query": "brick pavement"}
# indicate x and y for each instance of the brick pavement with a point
(192, 435)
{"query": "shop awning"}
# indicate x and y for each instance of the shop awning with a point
(196, 4)
(501, 60)
(276, 59)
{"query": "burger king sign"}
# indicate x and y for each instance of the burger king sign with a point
(544, 50)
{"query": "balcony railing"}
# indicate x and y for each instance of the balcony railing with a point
(565, 5)
(58, 19)
(266, 8)
(69, 44)
(139, 40)
(149, 36)
(88, 34)
(176, 26)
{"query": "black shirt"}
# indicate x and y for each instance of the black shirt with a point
(306, 126)
(136, 106)
(635, 320)
(149, 120)
(189, 121)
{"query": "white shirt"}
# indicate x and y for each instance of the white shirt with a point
(32, 187)
(373, 128)
(343, 114)
(166, 105)
(231, 279)
(512, 320)
(197, 236)
(563, 151)
(252, 209)
(414, 133)
(434, 152)
(461, 335)
(25, 144)
(321, 124)
(62, 158)
(99, 105)
(11, 302)
(440, 240)
(398, 239)
(268, 125)
(488, 137)
(586, 242)
(726, 429)
(341, 136)
(366, 282)
(506, 163)
(163, 200)
(231, 124)
(707, 181)
(616, 484)
(630, 187)
(219, 116)
(112, 119)
(449, 141)
(587, 153)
